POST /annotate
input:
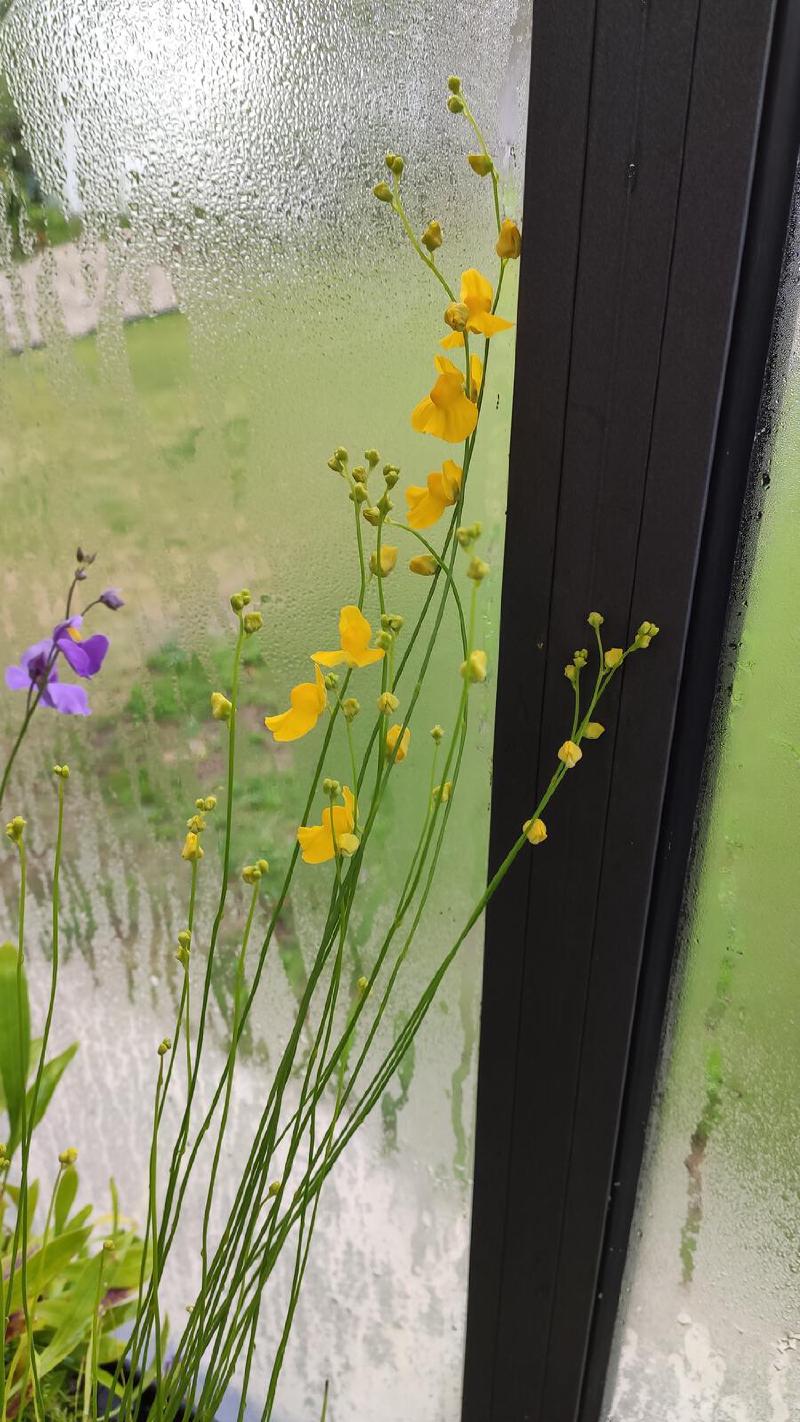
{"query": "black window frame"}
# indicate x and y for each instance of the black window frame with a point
(662, 151)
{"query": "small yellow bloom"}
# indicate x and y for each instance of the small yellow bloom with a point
(432, 237)
(614, 656)
(220, 706)
(509, 241)
(476, 294)
(387, 701)
(307, 703)
(535, 831)
(388, 560)
(426, 506)
(320, 843)
(354, 634)
(447, 412)
(423, 564)
(570, 754)
(192, 848)
(594, 731)
(392, 738)
(474, 668)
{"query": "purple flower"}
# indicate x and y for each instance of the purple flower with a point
(111, 599)
(70, 700)
(85, 657)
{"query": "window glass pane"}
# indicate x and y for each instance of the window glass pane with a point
(710, 1326)
(199, 299)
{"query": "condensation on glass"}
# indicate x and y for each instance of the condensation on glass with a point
(202, 299)
(710, 1324)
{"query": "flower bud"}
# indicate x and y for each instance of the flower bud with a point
(62, 771)
(331, 680)
(401, 741)
(251, 874)
(341, 454)
(111, 599)
(442, 793)
(455, 104)
(468, 534)
(509, 241)
(474, 668)
(433, 236)
(184, 938)
(362, 985)
(236, 602)
(387, 563)
(372, 515)
(246, 597)
(384, 640)
(14, 829)
(253, 622)
(391, 474)
(570, 672)
(385, 504)
(210, 803)
(397, 165)
(594, 731)
(196, 824)
(350, 708)
(192, 848)
(423, 564)
(387, 701)
(372, 457)
(454, 84)
(481, 164)
(334, 464)
(383, 192)
(595, 619)
(359, 474)
(274, 1189)
(570, 754)
(263, 865)
(477, 570)
(68, 1156)
(392, 622)
(580, 658)
(331, 787)
(535, 831)
(456, 316)
(437, 732)
(358, 494)
(221, 707)
(613, 657)
(164, 1046)
(389, 160)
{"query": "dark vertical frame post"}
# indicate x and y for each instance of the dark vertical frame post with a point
(650, 143)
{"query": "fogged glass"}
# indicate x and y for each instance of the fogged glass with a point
(710, 1326)
(199, 298)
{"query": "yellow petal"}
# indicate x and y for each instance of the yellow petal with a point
(367, 658)
(354, 630)
(488, 325)
(450, 342)
(452, 475)
(308, 701)
(476, 291)
(316, 843)
(392, 737)
(349, 802)
(424, 508)
(348, 844)
(423, 564)
(329, 659)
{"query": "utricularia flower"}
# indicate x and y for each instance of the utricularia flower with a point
(476, 296)
(426, 505)
(37, 670)
(307, 701)
(355, 635)
(447, 412)
(318, 843)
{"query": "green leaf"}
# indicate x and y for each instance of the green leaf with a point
(52, 1073)
(65, 1197)
(15, 1046)
(76, 1320)
(45, 1264)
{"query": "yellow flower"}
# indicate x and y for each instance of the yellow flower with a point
(220, 706)
(307, 703)
(392, 737)
(594, 731)
(474, 668)
(509, 241)
(192, 848)
(423, 564)
(570, 754)
(476, 374)
(476, 295)
(388, 560)
(447, 412)
(321, 842)
(354, 635)
(426, 506)
(614, 656)
(535, 831)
